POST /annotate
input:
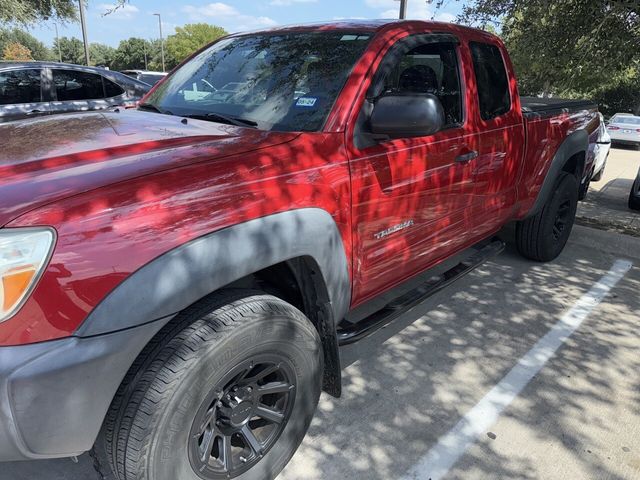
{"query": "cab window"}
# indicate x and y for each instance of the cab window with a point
(491, 77)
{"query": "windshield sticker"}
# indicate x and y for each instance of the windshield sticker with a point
(306, 102)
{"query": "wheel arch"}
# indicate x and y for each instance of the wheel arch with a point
(571, 158)
(302, 245)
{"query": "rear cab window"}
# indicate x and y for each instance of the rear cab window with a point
(494, 98)
(20, 86)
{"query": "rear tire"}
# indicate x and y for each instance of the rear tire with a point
(634, 195)
(228, 390)
(598, 176)
(543, 236)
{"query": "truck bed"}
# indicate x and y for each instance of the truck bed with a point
(535, 106)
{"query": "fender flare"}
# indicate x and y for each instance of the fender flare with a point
(576, 142)
(182, 276)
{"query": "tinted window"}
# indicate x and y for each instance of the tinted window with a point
(491, 77)
(111, 89)
(72, 85)
(285, 82)
(430, 68)
(20, 86)
(150, 78)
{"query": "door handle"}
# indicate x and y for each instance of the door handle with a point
(466, 157)
(34, 112)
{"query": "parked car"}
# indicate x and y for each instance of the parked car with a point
(34, 89)
(178, 278)
(634, 195)
(602, 149)
(624, 129)
(145, 76)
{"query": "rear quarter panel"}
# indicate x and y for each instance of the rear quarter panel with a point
(544, 135)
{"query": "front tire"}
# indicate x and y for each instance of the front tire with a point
(543, 236)
(228, 393)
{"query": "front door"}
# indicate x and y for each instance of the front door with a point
(412, 197)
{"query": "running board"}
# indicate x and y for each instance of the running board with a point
(349, 333)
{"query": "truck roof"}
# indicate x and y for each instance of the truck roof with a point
(366, 25)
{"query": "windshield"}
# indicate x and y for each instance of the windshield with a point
(625, 119)
(285, 82)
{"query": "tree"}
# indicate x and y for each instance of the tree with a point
(38, 50)
(190, 38)
(16, 51)
(101, 55)
(130, 54)
(72, 49)
(568, 48)
(28, 12)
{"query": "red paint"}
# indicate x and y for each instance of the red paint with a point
(123, 188)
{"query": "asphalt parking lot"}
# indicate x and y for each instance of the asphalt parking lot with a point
(518, 371)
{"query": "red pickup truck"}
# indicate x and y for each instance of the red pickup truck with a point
(176, 280)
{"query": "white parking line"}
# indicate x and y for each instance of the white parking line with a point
(439, 460)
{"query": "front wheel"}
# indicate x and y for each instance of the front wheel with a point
(229, 394)
(543, 236)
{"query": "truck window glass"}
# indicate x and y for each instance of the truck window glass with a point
(285, 82)
(20, 86)
(430, 68)
(73, 85)
(491, 78)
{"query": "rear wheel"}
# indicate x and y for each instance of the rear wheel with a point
(634, 195)
(230, 393)
(543, 236)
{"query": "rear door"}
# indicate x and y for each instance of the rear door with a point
(22, 94)
(76, 90)
(412, 198)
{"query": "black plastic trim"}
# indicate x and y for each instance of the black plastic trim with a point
(54, 395)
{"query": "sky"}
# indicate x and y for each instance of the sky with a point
(136, 18)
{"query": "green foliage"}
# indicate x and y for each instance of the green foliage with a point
(14, 35)
(16, 51)
(130, 54)
(188, 39)
(101, 55)
(72, 50)
(28, 12)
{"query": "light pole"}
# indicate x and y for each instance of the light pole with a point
(58, 42)
(144, 49)
(403, 9)
(84, 32)
(161, 41)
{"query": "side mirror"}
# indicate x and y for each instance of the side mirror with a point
(408, 115)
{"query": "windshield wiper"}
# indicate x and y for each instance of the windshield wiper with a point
(219, 117)
(151, 107)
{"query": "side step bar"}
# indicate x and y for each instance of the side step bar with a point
(349, 333)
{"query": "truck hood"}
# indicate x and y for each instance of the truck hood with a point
(54, 157)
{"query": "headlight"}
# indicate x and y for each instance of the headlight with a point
(24, 253)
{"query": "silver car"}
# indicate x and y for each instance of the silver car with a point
(32, 89)
(624, 128)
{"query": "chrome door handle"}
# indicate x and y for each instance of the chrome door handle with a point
(466, 157)
(34, 112)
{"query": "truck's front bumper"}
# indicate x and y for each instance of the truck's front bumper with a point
(54, 395)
